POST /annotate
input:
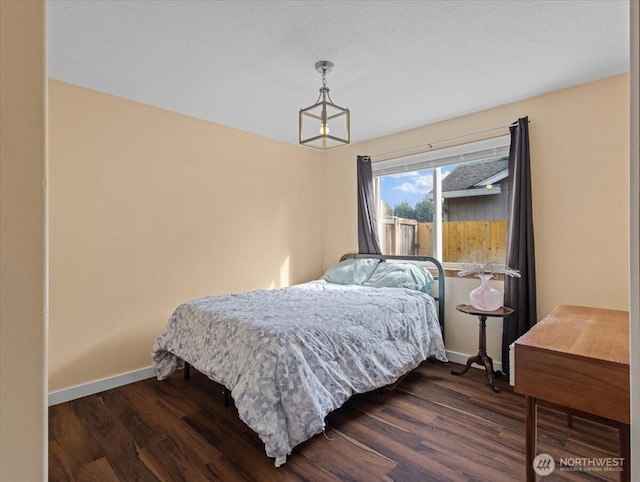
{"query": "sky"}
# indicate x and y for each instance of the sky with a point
(408, 186)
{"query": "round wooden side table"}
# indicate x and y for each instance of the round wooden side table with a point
(482, 358)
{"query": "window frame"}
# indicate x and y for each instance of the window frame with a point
(435, 159)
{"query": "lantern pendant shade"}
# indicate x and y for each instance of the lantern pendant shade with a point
(324, 125)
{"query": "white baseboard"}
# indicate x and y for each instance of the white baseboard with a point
(79, 391)
(91, 388)
(461, 358)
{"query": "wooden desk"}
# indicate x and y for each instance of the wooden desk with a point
(576, 358)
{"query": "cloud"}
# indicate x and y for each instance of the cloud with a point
(403, 174)
(420, 185)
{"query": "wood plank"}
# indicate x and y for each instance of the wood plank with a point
(70, 439)
(498, 237)
(216, 431)
(59, 470)
(114, 439)
(135, 415)
(405, 449)
(97, 470)
(165, 420)
(169, 463)
(425, 239)
(179, 406)
(349, 459)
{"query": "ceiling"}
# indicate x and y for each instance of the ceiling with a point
(398, 64)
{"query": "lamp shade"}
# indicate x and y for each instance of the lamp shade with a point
(324, 125)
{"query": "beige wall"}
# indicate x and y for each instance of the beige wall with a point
(580, 158)
(23, 429)
(149, 209)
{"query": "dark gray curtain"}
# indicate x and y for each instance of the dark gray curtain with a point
(367, 227)
(519, 293)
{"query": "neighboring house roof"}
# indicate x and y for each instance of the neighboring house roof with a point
(466, 176)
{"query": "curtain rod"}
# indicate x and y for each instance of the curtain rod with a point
(431, 144)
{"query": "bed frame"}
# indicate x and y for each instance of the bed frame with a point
(440, 298)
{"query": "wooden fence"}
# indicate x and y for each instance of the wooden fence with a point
(459, 238)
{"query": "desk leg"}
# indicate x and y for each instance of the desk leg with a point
(625, 452)
(531, 434)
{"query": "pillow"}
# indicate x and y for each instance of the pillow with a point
(401, 275)
(353, 271)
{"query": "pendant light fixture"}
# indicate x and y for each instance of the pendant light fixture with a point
(324, 125)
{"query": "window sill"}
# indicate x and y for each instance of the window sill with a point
(452, 272)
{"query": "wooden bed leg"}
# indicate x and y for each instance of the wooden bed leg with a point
(187, 371)
(226, 397)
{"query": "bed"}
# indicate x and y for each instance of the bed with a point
(289, 357)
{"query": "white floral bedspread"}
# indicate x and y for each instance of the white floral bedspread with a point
(291, 356)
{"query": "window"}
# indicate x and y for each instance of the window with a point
(445, 203)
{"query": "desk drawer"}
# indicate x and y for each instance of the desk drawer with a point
(593, 386)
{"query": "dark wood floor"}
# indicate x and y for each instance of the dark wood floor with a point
(433, 426)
